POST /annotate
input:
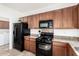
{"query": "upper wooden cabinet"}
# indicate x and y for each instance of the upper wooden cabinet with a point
(70, 17)
(66, 18)
(58, 18)
(35, 21)
(78, 16)
(75, 16)
(46, 16)
(29, 21)
(4, 25)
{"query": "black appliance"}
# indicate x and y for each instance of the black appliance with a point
(44, 44)
(46, 24)
(20, 30)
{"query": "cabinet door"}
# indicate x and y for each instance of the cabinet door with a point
(26, 43)
(32, 48)
(70, 17)
(35, 21)
(32, 45)
(71, 51)
(78, 15)
(67, 18)
(75, 16)
(43, 16)
(29, 20)
(32, 41)
(46, 16)
(59, 49)
(58, 21)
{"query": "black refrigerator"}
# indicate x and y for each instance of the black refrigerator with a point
(20, 30)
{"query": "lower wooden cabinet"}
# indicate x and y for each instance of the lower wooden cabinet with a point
(33, 49)
(62, 49)
(30, 44)
(26, 43)
(71, 51)
(59, 49)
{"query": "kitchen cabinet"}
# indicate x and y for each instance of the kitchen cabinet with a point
(30, 44)
(71, 51)
(59, 49)
(29, 20)
(4, 25)
(27, 43)
(58, 20)
(65, 18)
(33, 45)
(35, 21)
(70, 17)
(62, 49)
(75, 16)
(78, 15)
(46, 16)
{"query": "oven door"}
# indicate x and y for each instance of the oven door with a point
(44, 46)
(44, 50)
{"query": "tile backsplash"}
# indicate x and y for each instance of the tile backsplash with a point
(67, 38)
(67, 32)
(71, 34)
(36, 31)
(48, 30)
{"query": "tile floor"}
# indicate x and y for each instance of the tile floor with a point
(4, 51)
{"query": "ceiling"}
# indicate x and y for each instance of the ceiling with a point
(25, 7)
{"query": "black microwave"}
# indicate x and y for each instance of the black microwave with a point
(46, 24)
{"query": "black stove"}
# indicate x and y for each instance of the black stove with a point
(44, 44)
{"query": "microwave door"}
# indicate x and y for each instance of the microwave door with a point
(44, 25)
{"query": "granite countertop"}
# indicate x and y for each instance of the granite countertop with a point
(73, 44)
